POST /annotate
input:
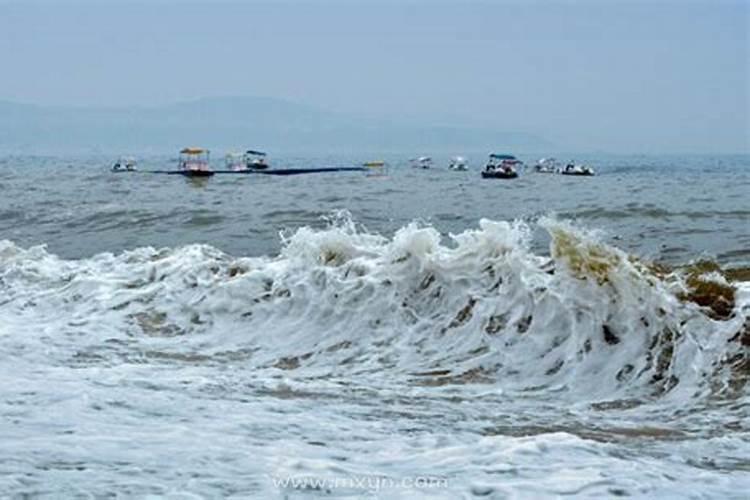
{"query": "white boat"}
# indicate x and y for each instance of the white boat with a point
(235, 162)
(458, 163)
(125, 164)
(573, 168)
(547, 166)
(421, 162)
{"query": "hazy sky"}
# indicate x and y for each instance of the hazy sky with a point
(664, 76)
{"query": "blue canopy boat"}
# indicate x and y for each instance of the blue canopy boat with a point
(501, 166)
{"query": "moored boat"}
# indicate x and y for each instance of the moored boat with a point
(235, 162)
(458, 163)
(547, 166)
(574, 169)
(421, 162)
(125, 164)
(255, 160)
(501, 166)
(194, 162)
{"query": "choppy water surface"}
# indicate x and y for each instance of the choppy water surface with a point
(424, 334)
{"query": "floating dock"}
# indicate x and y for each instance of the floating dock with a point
(270, 171)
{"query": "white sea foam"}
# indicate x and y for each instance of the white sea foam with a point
(352, 336)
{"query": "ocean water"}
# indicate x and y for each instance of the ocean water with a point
(426, 334)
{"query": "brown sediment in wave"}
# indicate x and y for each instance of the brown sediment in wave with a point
(717, 298)
(715, 294)
(583, 258)
(705, 282)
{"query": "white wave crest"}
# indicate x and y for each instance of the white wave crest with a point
(412, 310)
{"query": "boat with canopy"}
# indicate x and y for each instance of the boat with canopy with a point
(255, 160)
(194, 162)
(501, 166)
(235, 162)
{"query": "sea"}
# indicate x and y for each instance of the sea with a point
(421, 333)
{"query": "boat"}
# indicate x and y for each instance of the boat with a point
(547, 166)
(375, 168)
(194, 162)
(501, 166)
(125, 164)
(421, 162)
(575, 169)
(458, 163)
(255, 160)
(235, 162)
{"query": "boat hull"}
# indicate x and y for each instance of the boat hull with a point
(499, 175)
(194, 173)
(579, 174)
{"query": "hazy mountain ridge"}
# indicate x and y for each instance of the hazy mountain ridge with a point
(235, 122)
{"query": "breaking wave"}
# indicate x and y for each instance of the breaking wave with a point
(415, 309)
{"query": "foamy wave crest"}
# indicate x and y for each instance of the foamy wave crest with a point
(411, 310)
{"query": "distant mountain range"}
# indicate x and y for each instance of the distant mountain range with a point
(235, 123)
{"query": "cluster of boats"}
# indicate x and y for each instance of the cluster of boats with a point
(456, 163)
(552, 166)
(194, 162)
(505, 166)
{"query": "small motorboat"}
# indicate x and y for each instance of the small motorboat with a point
(501, 166)
(547, 166)
(255, 160)
(421, 162)
(194, 162)
(573, 169)
(458, 163)
(125, 164)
